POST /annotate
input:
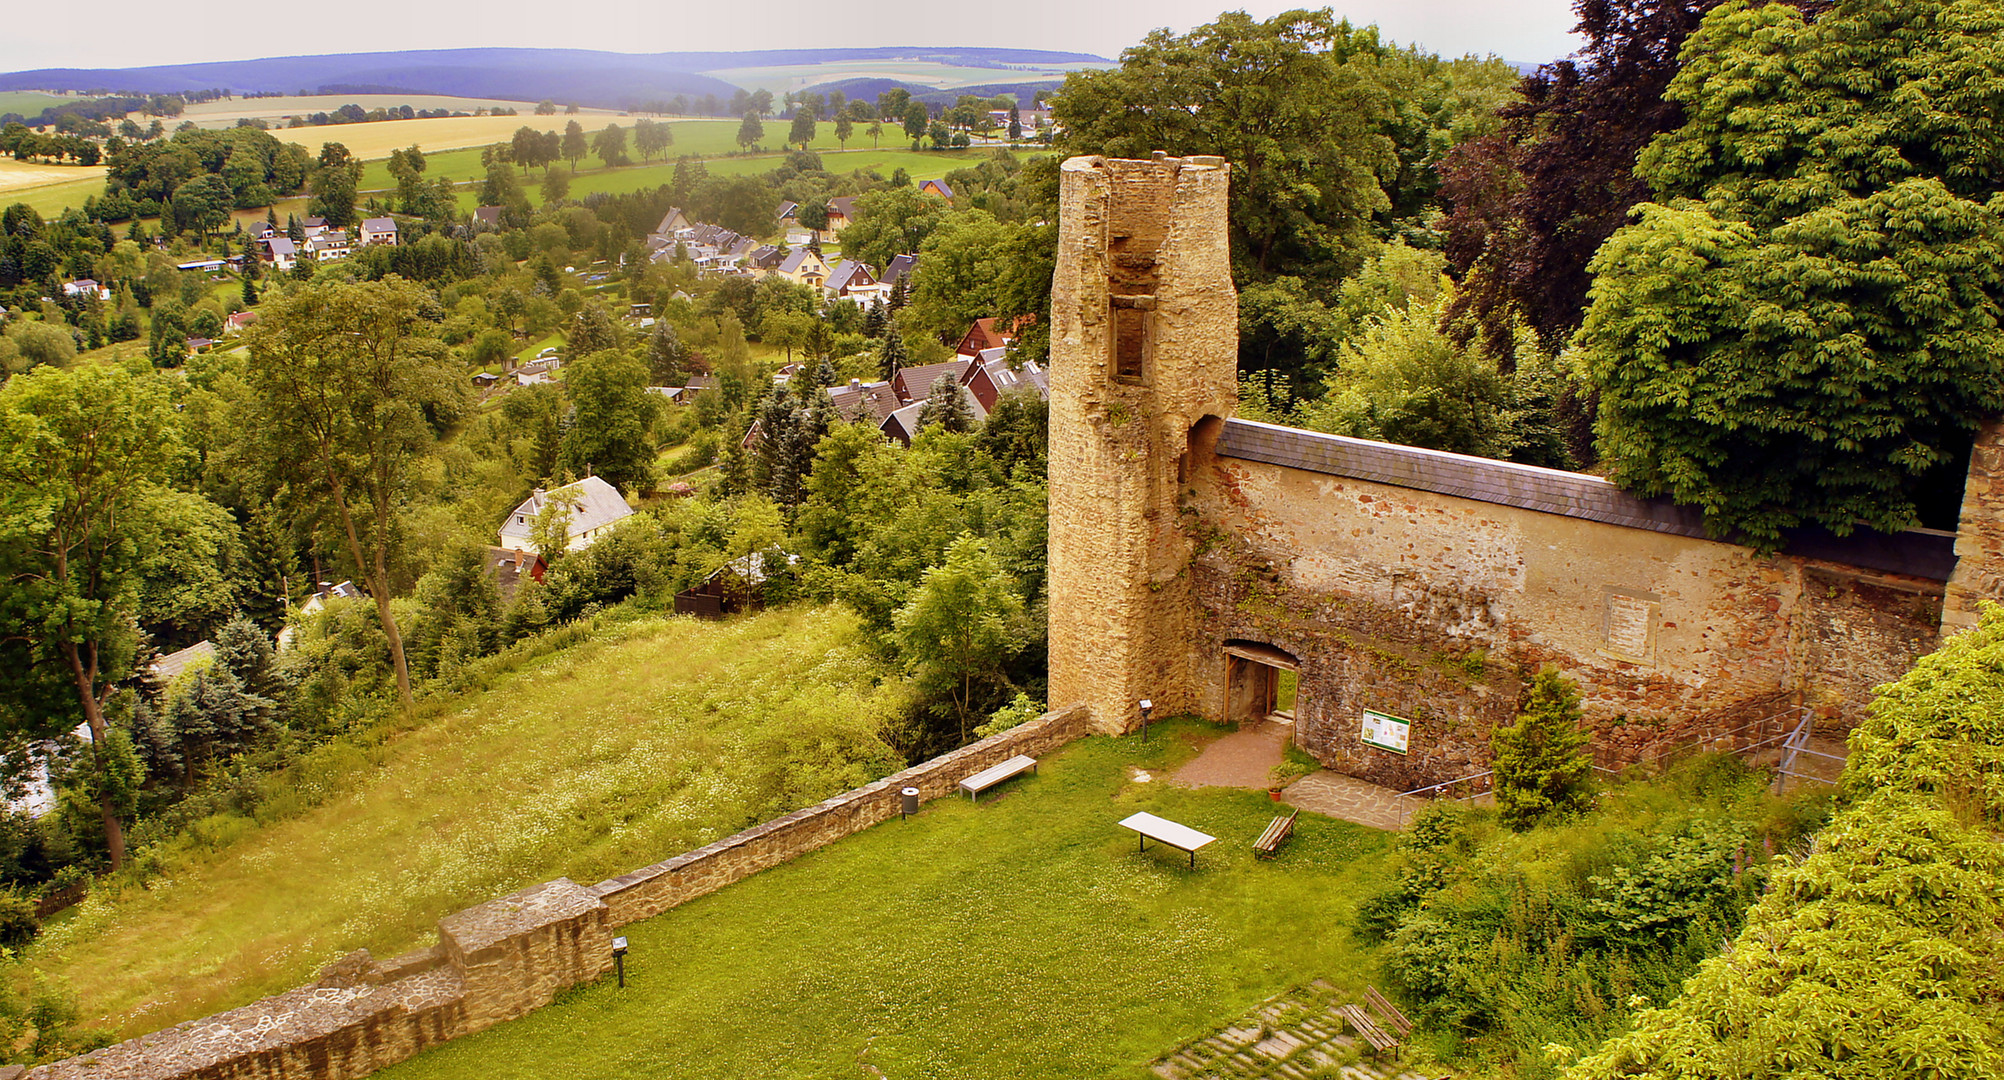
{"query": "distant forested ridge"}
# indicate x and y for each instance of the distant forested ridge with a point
(584, 76)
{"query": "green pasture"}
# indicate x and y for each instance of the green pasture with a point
(50, 200)
(29, 102)
(1022, 937)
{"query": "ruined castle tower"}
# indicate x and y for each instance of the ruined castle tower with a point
(1144, 347)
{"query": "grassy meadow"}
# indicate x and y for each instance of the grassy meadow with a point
(1022, 937)
(28, 102)
(653, 737)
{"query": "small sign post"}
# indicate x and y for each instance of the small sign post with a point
(1386, 732)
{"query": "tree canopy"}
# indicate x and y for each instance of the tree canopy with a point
(1807, 326)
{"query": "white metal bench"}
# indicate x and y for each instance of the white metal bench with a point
(1176, 836)
(995, 774)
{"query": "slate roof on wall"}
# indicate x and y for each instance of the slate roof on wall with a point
(1922, 553)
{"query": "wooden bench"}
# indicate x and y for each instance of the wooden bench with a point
(1387, 1012)
(1368, 1030)
(995, 774)
(1275, 835)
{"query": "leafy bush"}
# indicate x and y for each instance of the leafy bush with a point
(1876, 955)
(1551, 937)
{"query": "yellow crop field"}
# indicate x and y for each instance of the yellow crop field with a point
(371, 141)
(213, 114)
(20, 176)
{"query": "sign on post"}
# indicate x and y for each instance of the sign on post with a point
(1386, 732)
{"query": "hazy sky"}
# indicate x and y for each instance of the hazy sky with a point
(129, 33)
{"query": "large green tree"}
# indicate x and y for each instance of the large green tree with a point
(608, 436)
(352, 388)
(335, 179)
(1808, 324)
(891, 222)
(83, 451)
(1332, 136)
(961, 627)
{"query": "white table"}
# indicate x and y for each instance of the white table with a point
(1176, 836)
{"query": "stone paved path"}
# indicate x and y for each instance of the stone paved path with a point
(1243, 759)
(1338, 796)
(1297, 1035)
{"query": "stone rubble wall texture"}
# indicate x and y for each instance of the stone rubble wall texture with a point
(1979, 539)
(504, 958)
(1148, 237)
(1431, 607)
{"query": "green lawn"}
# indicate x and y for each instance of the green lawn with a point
(652, 738)
(1023, 937)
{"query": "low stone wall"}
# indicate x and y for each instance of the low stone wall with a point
(507, 957)
(654, 889)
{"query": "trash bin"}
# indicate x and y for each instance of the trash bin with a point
(908, 801)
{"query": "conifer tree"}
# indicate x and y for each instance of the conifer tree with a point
(946, 406)
(1541, 764)
(893, 354)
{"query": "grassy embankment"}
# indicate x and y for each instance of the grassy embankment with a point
(1023, 937)
(651, 738)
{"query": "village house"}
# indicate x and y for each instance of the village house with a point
(379, 230)
(803, 266)
(900, 268)
(487, 218)
(935, 187)
(332, 245)
(313, 227)
(851, 280)
(86, 287)
(594, 505)
(841, 211)
(538, 371)
(281, 253)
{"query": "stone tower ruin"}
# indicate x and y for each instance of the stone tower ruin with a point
(1144, 347)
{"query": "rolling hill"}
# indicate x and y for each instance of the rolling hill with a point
(587, 77)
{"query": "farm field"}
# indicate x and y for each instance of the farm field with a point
(50, 200)
(655, 736)
(225, 113)
(370, 141)
(1022, 937)
(28, 102)
(780, 78)
(23, 176)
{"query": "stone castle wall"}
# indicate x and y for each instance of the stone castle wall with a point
(504, 958)
(1435, 608)
(1193, 556)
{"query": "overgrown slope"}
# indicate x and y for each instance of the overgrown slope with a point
(652, 738)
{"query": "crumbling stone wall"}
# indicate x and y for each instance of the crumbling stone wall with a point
(1144, 273)
(1397, 591)
(504, 958)
(1436, 608)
